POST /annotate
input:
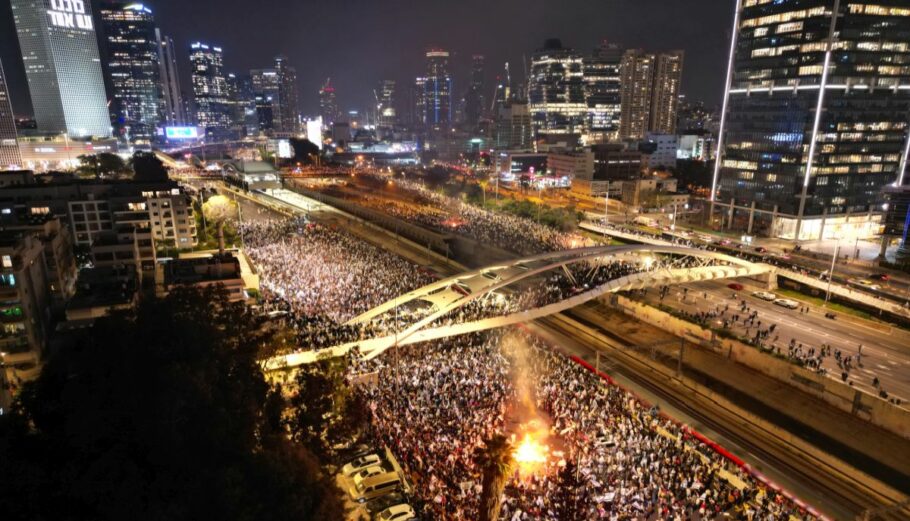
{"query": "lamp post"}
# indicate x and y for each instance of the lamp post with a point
(831, 271)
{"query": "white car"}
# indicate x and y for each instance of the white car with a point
(361, 475)
(787, 303)
(765, 295)
(401, 512)
(361, 463)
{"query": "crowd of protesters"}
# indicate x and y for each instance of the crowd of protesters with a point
(318, 278)
(434, 404)
(444, 214)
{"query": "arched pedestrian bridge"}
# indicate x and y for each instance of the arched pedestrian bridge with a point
(523, 290)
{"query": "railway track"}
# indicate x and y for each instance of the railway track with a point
(845, 497)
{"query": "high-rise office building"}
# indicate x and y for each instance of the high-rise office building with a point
(815, 117)
(438, 90)
(665, 102)
(386, 113)
(133, 71)
(650, 93)
(419, 101)
(63, 67)
(556, 91)
(474, 100)
(289, 112)
(171, 92)
(9, 145)
(513, 127)
(267, 92)
(242, 100)
(210, 91)
(328, 104)
(603, 91)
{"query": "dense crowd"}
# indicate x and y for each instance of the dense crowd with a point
(445, 214)
(318, 278)
(437, 403)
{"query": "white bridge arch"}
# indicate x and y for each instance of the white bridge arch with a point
(661, 266)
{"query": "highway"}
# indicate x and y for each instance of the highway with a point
(886, 349)
(833, 492)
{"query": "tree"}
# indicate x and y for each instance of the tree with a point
(304, 150)
(101, 165)
(566, 499)
(326, 410)
(218, 210)
(496, 461)
(159, 413)
(148, 168)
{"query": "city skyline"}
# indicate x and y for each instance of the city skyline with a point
(317, 53)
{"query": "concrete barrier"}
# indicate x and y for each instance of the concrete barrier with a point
(871, 408)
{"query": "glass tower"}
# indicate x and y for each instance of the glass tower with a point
(9, 146)
(438, 90)
(603, 91)
(556, 90)
(210, 90)
(815, 119)
(134, 71)
(60, 51)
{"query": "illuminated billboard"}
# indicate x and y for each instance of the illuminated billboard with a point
(284, 149)
(70, 14)
(314, 131)
(181, 132)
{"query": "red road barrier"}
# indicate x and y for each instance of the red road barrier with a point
(758, 476)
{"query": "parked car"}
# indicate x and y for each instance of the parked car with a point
(787, 303)
(402, 512)
(361, 463)
(375, 486)
(765, 295)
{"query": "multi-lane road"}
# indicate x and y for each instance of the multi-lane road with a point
(885, 352)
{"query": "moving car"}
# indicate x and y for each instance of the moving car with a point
(735, 286)
(361, 463)
(761, 249)
(787, 303)
(765, 295)
(401, 512)
(866, 283)
(882, 277)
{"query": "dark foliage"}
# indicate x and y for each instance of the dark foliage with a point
(162, 413)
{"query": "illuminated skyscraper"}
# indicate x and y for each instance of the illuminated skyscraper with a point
(9, 146)
(603, 92)
(172, 94)
(815, 119)
(438, 90)
(328, 104)
(210, 91)
(267, 93)
(133, 71)
(650, 93)
(386, 113)
(62, 65)
(419, 101)
(474, 100)
(288, 117)
(556, 91)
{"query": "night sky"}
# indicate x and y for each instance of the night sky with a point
(359, 42)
